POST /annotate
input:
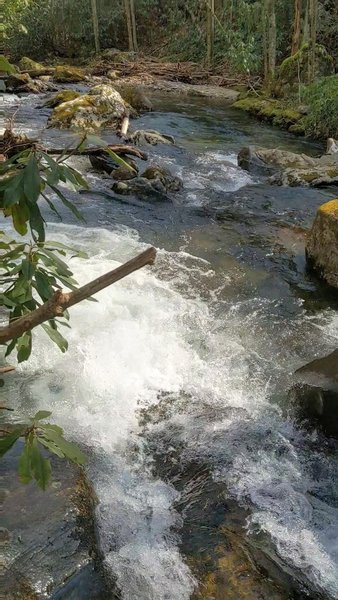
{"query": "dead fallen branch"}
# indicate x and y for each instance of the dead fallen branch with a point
(120, 149)
(6, 369)
(62, 300)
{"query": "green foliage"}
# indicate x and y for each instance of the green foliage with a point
(294, 69)
(322, 99)
(38, 436)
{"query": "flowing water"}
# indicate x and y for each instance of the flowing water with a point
(180, 373)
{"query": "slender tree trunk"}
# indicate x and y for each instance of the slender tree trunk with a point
(95, 25)
(269, 38)
(133, 24)
(210, 31)
(313, 23)
(296, 27)
(129, 26)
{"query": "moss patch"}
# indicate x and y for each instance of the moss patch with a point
(60, 97)
(271, 111)
(65, 74)
(27, 64)
(330, 207)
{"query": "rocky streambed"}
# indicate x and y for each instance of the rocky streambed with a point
(208, 485)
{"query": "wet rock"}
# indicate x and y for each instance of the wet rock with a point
(315, 393)
(113, 75)
(135, 97)
(157, 173)
(322, 246)
(65, 74)
(23, 83)
(27, 64)
(142, 188)
(104, 162)
(60, 97)
(332, 146)
(152, 137)
(49, 546)
(102, 106)
(289, 168)
(232, 575)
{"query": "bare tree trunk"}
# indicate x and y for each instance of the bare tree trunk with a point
(210, 31)
(269, 39)
(133, 25)
(95, 25)
(129, 25)
(296, 27)
(313, 22)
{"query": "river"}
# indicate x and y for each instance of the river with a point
(176, 380)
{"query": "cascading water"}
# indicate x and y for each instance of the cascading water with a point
(217, 333)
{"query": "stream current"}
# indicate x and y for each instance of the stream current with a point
(189, 362)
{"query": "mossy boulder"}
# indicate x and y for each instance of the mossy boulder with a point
(66, 74)
(322, 246)
(61, 97)
(27, 64)
(20, 83)
(289, 168)
(270, 110)
(102, 106)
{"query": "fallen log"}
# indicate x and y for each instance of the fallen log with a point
(62, 300)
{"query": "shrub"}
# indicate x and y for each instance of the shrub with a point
(322, 99)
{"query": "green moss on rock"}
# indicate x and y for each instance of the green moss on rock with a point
(60, 97)
(295, 68)
(270, 110)
(66, 74)
(27, 64)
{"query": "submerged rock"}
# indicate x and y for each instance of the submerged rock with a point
(65, 74)
(289, 168)
(49, 544)
(315, 394)
(102, 106)
(322, 246)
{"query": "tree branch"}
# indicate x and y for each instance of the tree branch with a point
(121, 149)
(61, 300)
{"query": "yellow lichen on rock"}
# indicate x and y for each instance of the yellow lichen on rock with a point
(322, 247)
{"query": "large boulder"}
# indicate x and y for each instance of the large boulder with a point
(322, 246)
(315, 393)
(22, 83)
(134, 96)
(27, 64)
(289, 168)
(102, 106)
(60, 98)
(66, 74)
(49, 548)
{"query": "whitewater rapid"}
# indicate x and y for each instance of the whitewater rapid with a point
(157, 331)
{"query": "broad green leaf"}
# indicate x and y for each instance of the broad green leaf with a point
(40, 466)
(36, 223)
(67, 203)
(41, 414)
(51, 446)
(70, 450)
(56, 337)
(20, 216)
(25, 470)
(9, 439)
(56, 428)
(13, 190)
(42, 285)
(32, 180)
(27, 268)
(24, 344)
